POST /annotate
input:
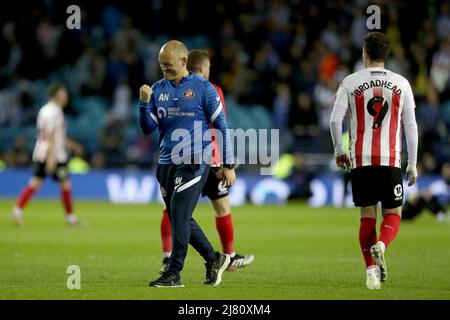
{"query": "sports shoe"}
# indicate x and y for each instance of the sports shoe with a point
(73, 221)
(377, 252)
(240, 261)
(165, 264)
(17, 217)
(77, 223)
(167, 280)
(214, 270)
(373, 278)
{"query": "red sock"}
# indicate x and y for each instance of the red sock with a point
(224, 226)
(389, 228)
(166, 233)
(66, 198)
(25, 196)
(367, 238)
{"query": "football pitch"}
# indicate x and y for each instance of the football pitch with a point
(300, 253)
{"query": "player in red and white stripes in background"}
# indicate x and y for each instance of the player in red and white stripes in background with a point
(50, 155)
(380, 102)
(215, 189)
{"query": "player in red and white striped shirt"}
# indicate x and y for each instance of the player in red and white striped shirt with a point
(50, 155)
(380, 103)
(215, 188)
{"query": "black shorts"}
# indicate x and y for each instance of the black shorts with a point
(214, 187)
(61, 173)
(371, 184)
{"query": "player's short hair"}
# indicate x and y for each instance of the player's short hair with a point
(377, 46)
(54, 88)
(195, 58)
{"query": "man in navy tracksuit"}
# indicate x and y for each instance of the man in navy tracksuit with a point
(182, 106)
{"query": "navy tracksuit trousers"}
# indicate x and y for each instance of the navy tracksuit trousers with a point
(181, 187)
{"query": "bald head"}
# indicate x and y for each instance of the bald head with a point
(174, 47)
(173, 58)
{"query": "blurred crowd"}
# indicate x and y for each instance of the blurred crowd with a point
(287, 55)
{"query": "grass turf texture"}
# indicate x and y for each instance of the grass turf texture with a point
(300, 253)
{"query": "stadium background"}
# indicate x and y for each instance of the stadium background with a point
(279, 63)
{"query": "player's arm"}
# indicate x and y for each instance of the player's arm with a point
(222, 99)
(214, 110)
(411, 134)
(147, 118)
(74, 146)
(50, 160)
(337, 116)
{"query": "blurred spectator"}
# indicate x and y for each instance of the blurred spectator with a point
(440, 67)
(330, 37)
(428, 112)
(19, 155)
(127, 38)
(301, 177)
(111, 143)
(443, 21)
(48, 36)
(420, 82)
(398, 62)
(89, 73)
(303, 118)
(16, 104)
(10, 108)
(281, 106)
(9, 69)
(358, 28)
(140, 151)
(324, 92)
(116, 69)
(121, 106)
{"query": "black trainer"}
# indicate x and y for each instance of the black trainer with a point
(214, 270)
(165, 264)
(167, 280)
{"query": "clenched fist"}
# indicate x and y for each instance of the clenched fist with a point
(145, 92)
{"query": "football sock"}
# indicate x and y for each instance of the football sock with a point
(225, 229)
(367, 238)
(66, 198)
(166, 234)
(389, 228)
(25, 196)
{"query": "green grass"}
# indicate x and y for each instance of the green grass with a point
(300, 253)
